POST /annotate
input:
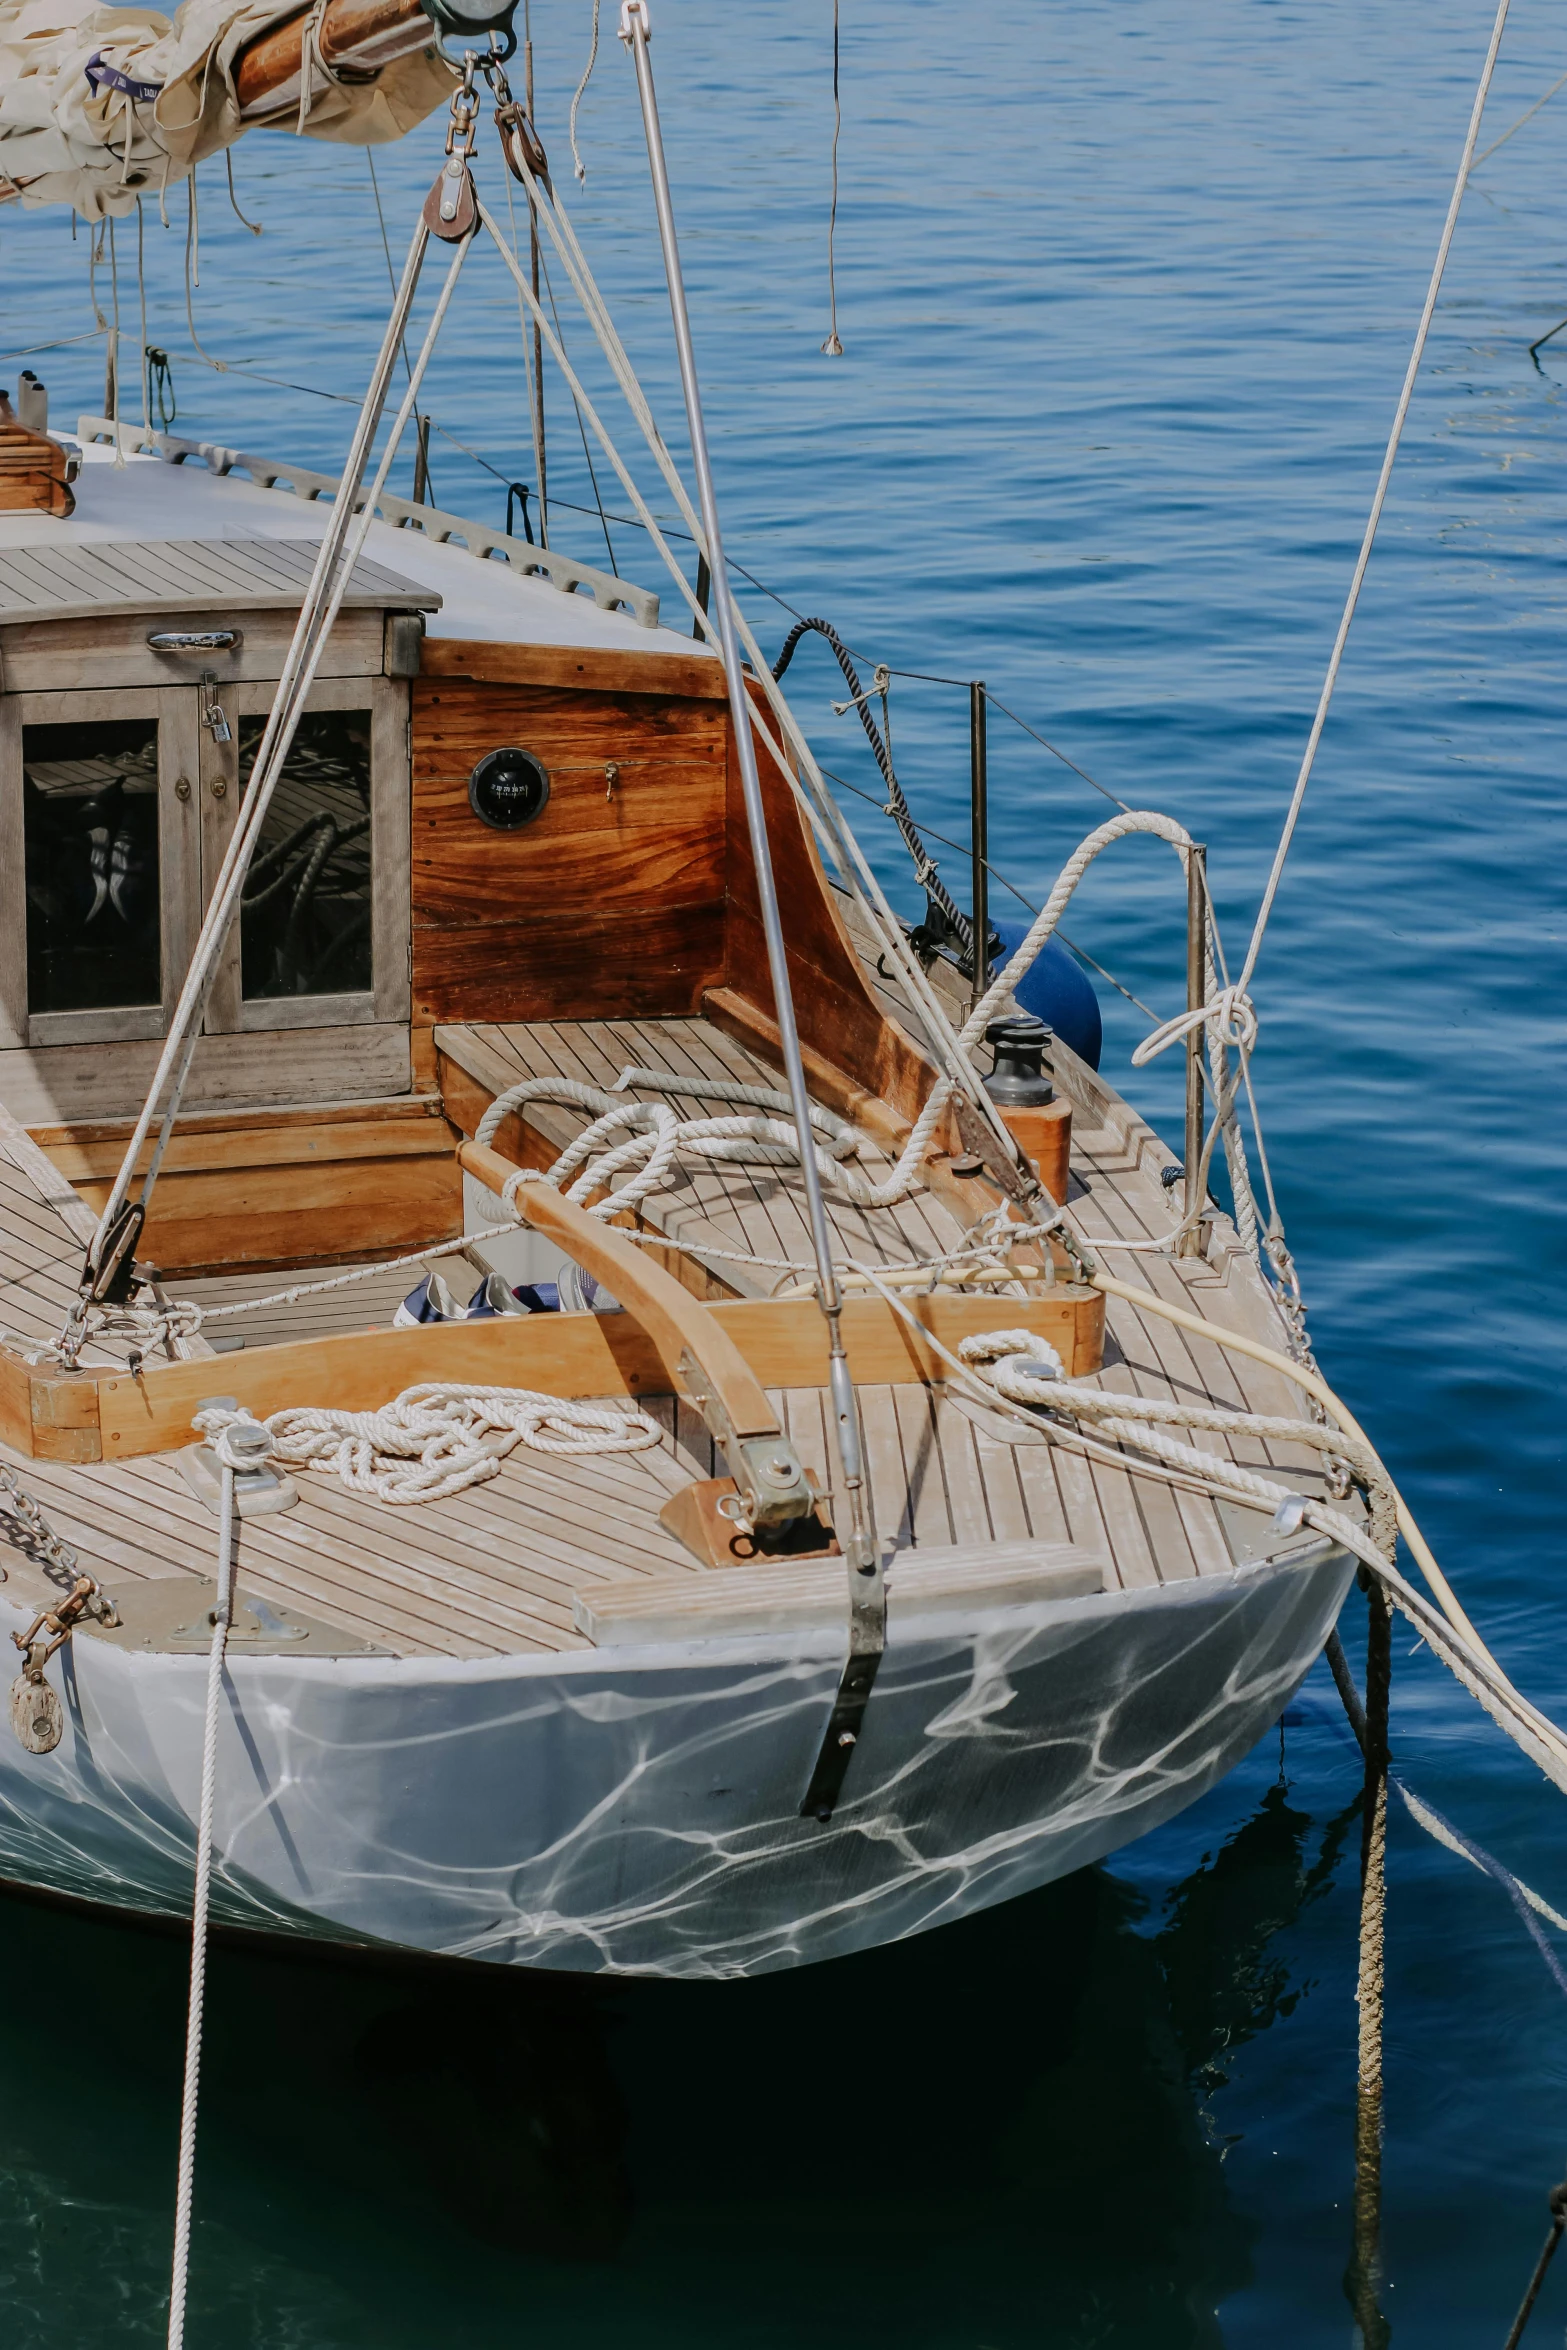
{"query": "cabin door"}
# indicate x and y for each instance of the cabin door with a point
(99, 854)
(322, 938)
(116, 809)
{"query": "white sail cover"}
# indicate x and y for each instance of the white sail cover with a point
(101, 105)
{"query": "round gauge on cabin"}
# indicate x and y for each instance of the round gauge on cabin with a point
(508, 789)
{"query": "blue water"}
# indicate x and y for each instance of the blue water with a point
(1126, 292)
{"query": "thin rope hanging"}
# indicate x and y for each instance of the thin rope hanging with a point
(1297, 797)
(833, 348)
(578, 165)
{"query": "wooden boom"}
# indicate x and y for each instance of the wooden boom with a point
(362, 35)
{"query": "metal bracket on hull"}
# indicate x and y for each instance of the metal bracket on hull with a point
(867, 1644)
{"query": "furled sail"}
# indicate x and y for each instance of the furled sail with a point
(100, 105)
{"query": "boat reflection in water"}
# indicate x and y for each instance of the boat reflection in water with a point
(1026, 2106)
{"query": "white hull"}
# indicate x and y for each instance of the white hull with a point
(636, 1810)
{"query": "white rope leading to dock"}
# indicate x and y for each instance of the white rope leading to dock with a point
(239, 1442)
(1379, 498)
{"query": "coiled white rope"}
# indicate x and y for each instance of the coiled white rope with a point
(239, 1443)
(658, 1138)
(1026, 1371)
(438, 1439)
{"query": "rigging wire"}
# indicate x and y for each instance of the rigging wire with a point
(386, 247)
(832, 348)
(947, 842)
(1103, 789)
(254, 226)
(141, 292)
(535, 400)
(61, 342)
(533, 363)
(1558, 84)
(112, 374)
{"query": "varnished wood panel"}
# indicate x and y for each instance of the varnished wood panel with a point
(502, 885)
(111, 649)
(281, 1065)
(645, 963)
(611, 901)
(310, 1212)
(399, 1111)
(300, 1190)
(695, 675)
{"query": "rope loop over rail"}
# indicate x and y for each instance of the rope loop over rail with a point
(1230, 1018)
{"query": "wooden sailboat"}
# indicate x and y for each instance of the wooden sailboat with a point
(616, 1699)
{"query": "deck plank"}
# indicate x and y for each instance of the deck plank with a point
(495, 1570)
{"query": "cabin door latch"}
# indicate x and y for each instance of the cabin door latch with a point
(212, 711)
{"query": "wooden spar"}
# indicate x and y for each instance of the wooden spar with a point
(114, 1415)
(681, 1328)
(698, 1351)
(361, 35)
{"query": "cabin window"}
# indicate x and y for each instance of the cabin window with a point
(116, 811)
(90, 834)
(305, 923)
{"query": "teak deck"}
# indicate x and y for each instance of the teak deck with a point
(497, 1570)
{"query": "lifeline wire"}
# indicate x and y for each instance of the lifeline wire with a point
(1297, 798)
(947, 842)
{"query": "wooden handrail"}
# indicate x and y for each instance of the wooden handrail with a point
(699, 1353)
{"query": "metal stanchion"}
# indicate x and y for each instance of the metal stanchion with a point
(1196, 996)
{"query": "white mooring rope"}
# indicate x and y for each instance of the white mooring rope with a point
(239, 1443)
(1308, 761)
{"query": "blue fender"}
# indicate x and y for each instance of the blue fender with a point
(1058, 991)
